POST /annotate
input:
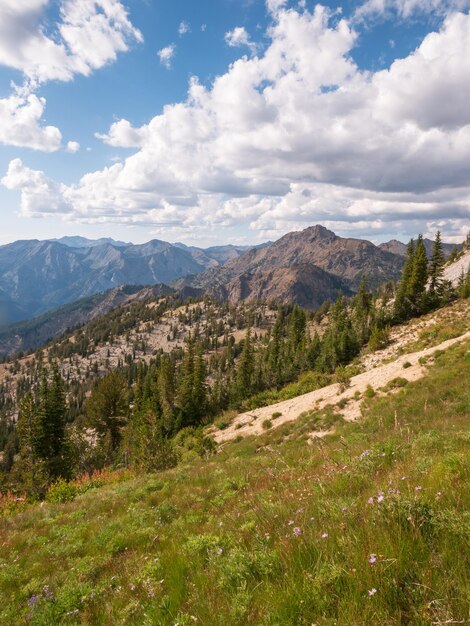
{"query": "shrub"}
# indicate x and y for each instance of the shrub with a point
(267, 424)
(276, 414)
(406, 365)
(61, 491)
(397, 382)
(369, 392)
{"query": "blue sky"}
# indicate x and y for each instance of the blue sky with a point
(217, 168)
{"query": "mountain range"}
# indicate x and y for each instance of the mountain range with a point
(37, 276)
(47, 287)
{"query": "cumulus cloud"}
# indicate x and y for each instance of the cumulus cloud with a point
(238, 37)
(88, 35)
(40, 195)
(20, 117)
(296, 135)
(166, 55)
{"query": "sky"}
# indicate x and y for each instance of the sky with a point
(234, 121)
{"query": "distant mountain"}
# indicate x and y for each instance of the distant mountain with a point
(306, 267)
(37, 276)
(397, 247)
(83, 242)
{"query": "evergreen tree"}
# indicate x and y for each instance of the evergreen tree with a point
(246, 368)
(436, 265)
(51, 441)
(107, 407)
(402, 306)
(419, 278)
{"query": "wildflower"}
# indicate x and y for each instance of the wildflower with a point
(370, 500)
(290, 522)
(380, 498)
(48, 593)
(372, 559)
(372, 592)
(324, 536)
(132, 587)
(438, 495)
(418, 488)
(33, 599)
(220, 550)
(344, 508)
(297, 531)
(312, 519)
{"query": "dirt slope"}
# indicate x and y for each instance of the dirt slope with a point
(251, 423)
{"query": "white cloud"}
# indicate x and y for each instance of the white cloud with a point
(20, 117)
(39, 195)
(238, 37)
(274, 6)
(166, 55)
(123, 135)
(294, 136)
(73, 146)
(88, 35)
(184, 28)
(408, 8)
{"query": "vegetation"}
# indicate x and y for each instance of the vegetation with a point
(368, 526)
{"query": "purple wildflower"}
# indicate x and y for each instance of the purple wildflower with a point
(372, 592)
(297, 531)
(372, 559)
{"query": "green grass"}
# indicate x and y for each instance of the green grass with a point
(270, 531)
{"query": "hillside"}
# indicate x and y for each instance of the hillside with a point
(368, 525)
(34, 333)
(335, 260)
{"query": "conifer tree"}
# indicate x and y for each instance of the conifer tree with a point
(107, 407)
(419, 278)
(51, 439)
(436, 265)
(246, 367)
(402, 306)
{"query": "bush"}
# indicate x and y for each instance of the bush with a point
(397, 382)
(61, 491)
(267, 424)
(276, 414)
(369, 392)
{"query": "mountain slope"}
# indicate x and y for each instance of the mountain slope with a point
(31, 334)
(316, 250)
(277, 529)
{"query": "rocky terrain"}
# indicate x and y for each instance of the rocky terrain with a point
(343, 262)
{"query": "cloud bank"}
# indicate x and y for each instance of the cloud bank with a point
(293, 136)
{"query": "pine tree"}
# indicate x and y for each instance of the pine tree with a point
(30, 469)
(245, 369)
(107, 407)
(436, 265)
(419, 278)
(52, 443)
(402, 306)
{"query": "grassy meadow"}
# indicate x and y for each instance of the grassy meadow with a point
(369, 526)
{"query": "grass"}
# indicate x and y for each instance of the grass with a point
(368, 526)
